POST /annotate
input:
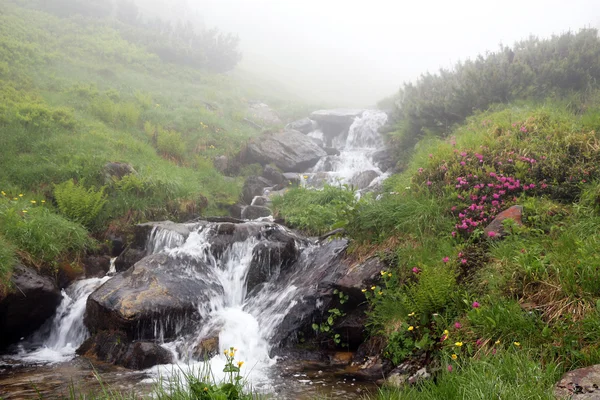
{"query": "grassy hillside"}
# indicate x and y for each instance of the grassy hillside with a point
(74, 95)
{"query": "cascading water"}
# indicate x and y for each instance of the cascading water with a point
(239, 321)
(356, 148)
(65, 332)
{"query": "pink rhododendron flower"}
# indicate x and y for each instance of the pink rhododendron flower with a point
(457, 325)
(491, 234)
(475, 304)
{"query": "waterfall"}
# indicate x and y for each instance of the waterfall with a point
(59, 339)
(362, 139)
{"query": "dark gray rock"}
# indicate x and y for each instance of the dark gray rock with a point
(128, 258)
(384, 159)
(96, 266)
(260, 201)
(344, 117)
(304, 125)
(292, 178)
(263, 114)
(157, 288)
(254, 212)
(332, 151)
(363, 179)
(254, 186)
(290, 151)
(269, 259)
(31, 301)
(117, 170)
(116, 348)
(272, 174)
(318, 142)
(221, 163)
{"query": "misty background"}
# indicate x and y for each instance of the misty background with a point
(354, 53)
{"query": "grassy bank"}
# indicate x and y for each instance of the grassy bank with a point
(77, 92)
(522, 301)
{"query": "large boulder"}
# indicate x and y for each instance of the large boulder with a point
(269, 259)
(32, 300)
(340, 116)
(115, 348)
(290, 151)
(256, 211)
(263, 114)
(272, 174)
(384, 159)
(304, 125)
(156, 292)
(363, 179)
(254, 186)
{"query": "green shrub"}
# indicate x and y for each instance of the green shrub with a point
(78, 203)
(170, 144)
(507, 375)
(8, 260)
(316, 211)
(46, 237)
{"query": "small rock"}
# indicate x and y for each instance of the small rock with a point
(254, 212)
(304, 125)
(221, 163)
(96, 266)
(420, 375)
(363, 179)
(515, 213)
(272, 174)
(117, 170)
(254, 186)
(579, 384)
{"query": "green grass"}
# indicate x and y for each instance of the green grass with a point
(507, 375)
(75, 94)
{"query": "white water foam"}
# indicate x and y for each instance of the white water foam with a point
(67, 331)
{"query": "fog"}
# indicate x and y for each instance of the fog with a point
(354, 53)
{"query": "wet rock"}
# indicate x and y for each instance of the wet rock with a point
(304, 125)
(156, 289)
(290, 151)
(117, 170)
(293, 178)
(221, 163)
(418, 376)
(128, 258)
(269, 259)
(254, 186)
(263, 114)
(332, 151)
(373, 368)
(318, 142)
(115, 348)
(384, 159)
(32, 300)
(235, 210)
(260, 201)
(359, 276)
(272, 174)
(326, 266)
(254, 212)
(363, 179)
(343, 117)
(207, 348)
(96, 266)
(117, 244)
(579, 384)
(515, 213)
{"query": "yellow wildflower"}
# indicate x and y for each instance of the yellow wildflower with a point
(205, 389)
(15, 198)
(458, 344)
(25, 211)
(3, 194)
(373, 287)
(33, 201)
(380, 293)
(446, 332)
(226, 352)
(410, 328)
(390, 274)
(240, 363)
(21, 195)
(517, 344)
(364, 290)
(43, 201)
(454, 356)
(412, 314)
(382, 273)
(498, 341)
